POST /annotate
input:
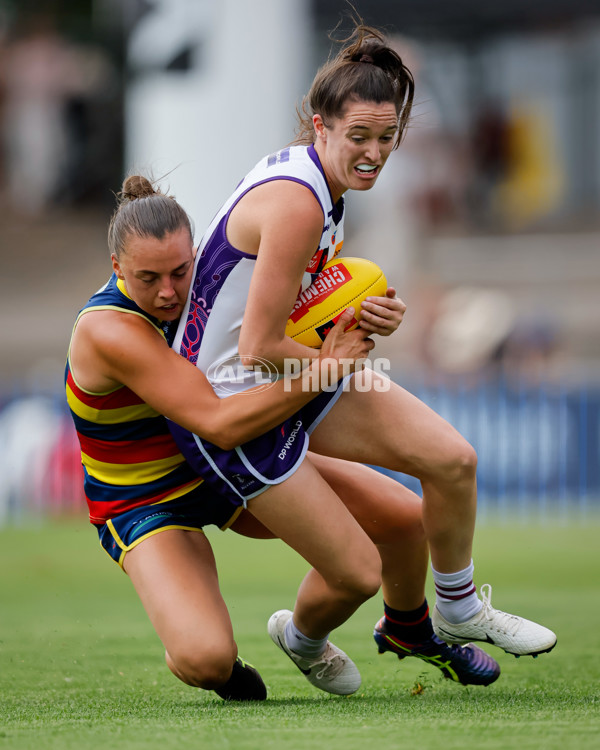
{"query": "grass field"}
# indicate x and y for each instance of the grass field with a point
(80, 666)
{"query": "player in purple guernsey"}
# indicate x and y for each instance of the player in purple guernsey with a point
(354, 116)
(211, 321)
(283, 221)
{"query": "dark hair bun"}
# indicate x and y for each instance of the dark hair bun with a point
(135, 186)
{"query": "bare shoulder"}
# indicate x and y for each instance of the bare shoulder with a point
(113, 328)
(288, 197)
(275, 204)
(108, 344)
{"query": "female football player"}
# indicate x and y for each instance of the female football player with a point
(283, 222)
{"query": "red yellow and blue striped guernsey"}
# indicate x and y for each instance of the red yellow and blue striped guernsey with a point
(129, 457)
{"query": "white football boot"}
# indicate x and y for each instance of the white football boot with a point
(513, 634)
(333, 671)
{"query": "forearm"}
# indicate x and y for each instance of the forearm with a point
(244, 416)
(136, 356)
(281, 354)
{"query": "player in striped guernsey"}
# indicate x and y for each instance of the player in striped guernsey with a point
(144, 499)
(122, 438)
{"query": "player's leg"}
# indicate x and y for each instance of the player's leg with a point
(394, 429)
(247, 525)
(388, 512)
(305, 513)
(175, 576)
(377, 422)
(391, 516)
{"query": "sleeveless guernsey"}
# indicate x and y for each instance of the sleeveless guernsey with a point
(128, 454)
(209, 329)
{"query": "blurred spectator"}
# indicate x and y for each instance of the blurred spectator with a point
(534, 183)
(490, 155)
(533, 353)
(476, 333)
(46, 82)
(469, 330)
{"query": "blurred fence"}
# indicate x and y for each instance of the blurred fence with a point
(538, 448)
(40, 461)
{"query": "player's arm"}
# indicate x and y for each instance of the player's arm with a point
(131, 352)
(287, 223)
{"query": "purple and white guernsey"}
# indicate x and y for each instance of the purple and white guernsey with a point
(210, 325)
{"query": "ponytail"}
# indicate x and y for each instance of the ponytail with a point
(366, 69)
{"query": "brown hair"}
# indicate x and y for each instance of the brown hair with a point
(143, 211)
(365, 69)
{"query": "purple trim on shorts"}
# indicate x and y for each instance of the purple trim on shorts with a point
(330, 404)
(250, 469)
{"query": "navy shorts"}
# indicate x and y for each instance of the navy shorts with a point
(248, 470)
(199, 508)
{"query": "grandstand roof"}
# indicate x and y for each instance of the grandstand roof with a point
(460, 20)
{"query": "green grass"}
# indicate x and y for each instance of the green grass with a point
(80, 666)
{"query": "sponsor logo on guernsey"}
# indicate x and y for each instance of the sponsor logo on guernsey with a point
(318, 260)
(291, 440)
(327, 282)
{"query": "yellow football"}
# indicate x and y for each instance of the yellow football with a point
(342, 283)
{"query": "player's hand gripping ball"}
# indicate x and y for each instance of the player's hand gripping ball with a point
(341, 284)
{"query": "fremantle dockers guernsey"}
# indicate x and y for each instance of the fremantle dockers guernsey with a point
(128, 454)
(210, 325)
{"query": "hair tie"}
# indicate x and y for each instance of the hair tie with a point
(366, 59)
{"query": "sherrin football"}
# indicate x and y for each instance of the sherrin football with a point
(342, 283)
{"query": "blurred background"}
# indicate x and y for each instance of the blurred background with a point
(487, 220)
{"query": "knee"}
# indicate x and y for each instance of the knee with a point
(459, 465)
(370, 585)
(364, 580)
(464, 466)
(203, 667)
(411, 530)
(405, 526)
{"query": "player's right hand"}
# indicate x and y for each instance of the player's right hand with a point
(352, 346)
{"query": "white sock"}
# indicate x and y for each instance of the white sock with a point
(456, 595)
(301, 644)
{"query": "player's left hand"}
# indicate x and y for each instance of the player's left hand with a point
(382, 315)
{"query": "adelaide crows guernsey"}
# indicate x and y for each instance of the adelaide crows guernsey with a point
(128, 454)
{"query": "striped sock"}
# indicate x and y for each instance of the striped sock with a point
(412, 627)
(456, 595)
